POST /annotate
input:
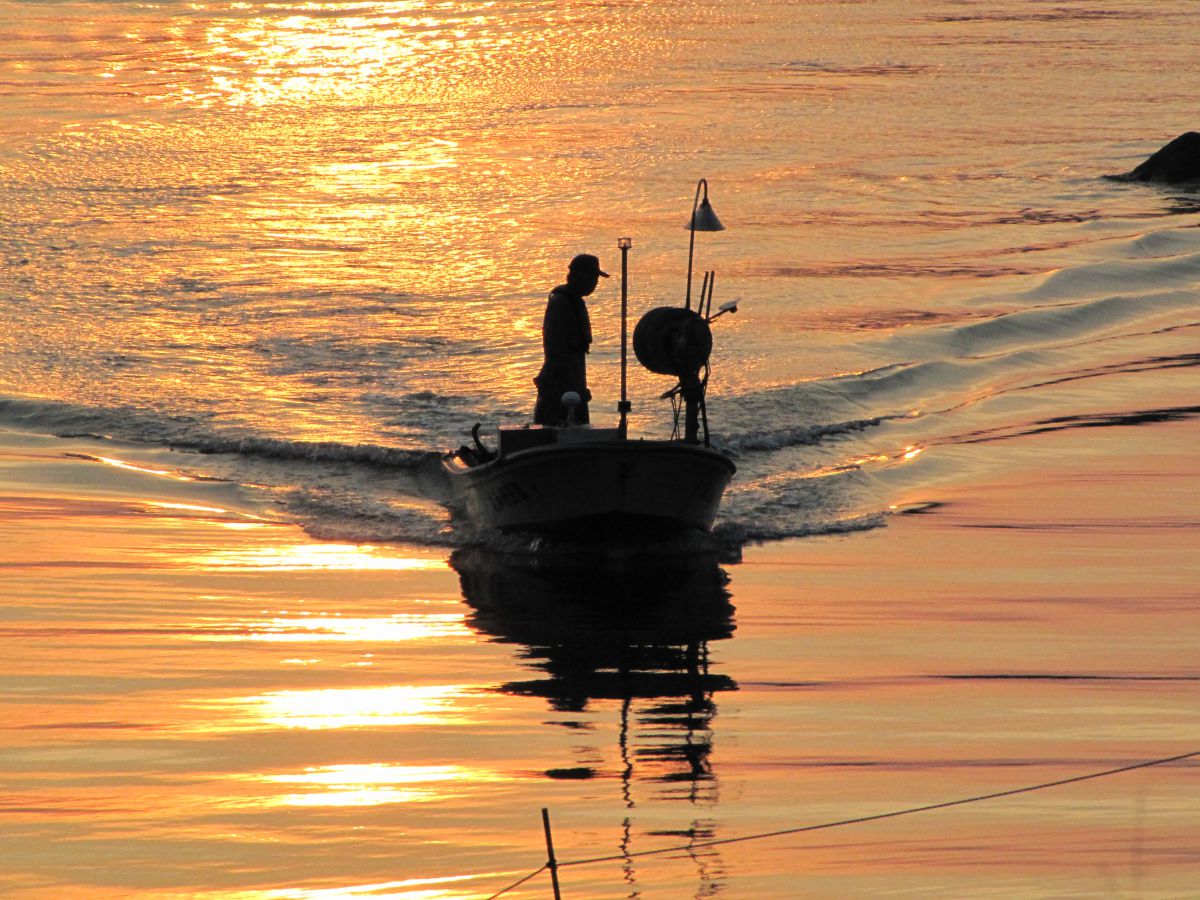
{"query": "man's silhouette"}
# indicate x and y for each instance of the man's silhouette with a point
(566, 337)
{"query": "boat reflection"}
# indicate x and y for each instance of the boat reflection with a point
(634, 632)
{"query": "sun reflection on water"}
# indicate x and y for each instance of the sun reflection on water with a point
(903, 455)
(373, 784)
(329, 51)
(333, 708)
(128, 466)
(338, 629)
(194, 507)
(300, 557)
(407, 889)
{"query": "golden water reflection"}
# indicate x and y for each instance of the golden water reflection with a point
(407, 889)
(131, 467)
(195, 507)
(299, 557)
(333, 708)
(328, 51)
(373, 784)
(896, 457)
(339, 629)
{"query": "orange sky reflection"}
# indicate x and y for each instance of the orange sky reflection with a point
(122, 464)
(338, 629)
(300, 557)
(331, 708)
(408, 889)
(372, 784)
(324, 50)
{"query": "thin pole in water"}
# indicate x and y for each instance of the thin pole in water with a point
(551, 862)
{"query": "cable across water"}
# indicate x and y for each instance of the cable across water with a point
(861, 819)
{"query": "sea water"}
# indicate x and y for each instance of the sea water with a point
(319, 237)
(286, 254)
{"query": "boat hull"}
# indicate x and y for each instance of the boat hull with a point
(600, 487)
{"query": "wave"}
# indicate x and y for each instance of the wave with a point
(946, 367)
(1083, 420)
(1050, 325)
(1137, 275)
(358, 514)
(192, 433)
(738, 532)
(793, 436)
(311, 451)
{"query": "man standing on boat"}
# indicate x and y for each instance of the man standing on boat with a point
(566, 337)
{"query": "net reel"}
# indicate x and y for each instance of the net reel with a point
(670, 340)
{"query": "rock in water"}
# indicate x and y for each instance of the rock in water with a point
(1177, 162)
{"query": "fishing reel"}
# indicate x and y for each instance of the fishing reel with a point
(670, 340)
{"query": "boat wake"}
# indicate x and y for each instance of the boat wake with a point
(373, 492)
(1108, 341)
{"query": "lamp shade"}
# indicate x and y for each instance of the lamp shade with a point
(704, 219)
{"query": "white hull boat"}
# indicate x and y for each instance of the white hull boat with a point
(598, 482)
(589, 481)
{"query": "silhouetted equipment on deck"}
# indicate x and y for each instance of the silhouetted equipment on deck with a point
(673, 341)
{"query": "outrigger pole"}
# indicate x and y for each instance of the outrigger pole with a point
(623, 407)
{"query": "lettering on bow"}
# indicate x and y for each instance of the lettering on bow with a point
(511, 494)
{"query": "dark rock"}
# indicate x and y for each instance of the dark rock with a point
(1177, 162)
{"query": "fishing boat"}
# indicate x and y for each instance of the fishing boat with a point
(587, 480)
(575, 479)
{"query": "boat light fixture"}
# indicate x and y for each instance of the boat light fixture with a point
(703, 219)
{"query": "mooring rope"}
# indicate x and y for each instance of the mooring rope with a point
(979, 798)
(517, 884)
(889, 815)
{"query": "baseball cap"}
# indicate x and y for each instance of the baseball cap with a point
(587, 264)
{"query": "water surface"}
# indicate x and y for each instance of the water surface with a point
(260, 264)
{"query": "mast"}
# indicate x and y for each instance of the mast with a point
(623, 407)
